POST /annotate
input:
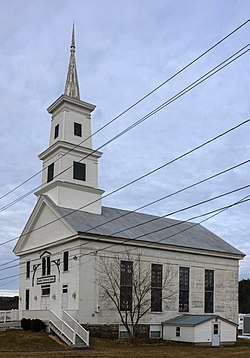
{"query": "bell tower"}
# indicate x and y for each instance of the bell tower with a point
(70, 165)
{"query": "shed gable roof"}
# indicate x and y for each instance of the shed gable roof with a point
(190, 320)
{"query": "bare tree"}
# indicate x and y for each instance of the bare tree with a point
(134, 287)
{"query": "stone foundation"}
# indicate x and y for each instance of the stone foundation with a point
(112, 330)
(103, 330)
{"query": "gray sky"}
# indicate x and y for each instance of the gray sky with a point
(124, 49)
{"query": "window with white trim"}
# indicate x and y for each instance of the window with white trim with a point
(209, 291)
(77, 129)
(50, 173)
(46, 266)
(65, 261)
(45, 290)
(79, 171)
(155, 331)
(184, 289)
(156, 288)
(27, 269)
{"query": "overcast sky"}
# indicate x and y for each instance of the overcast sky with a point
(124, 49)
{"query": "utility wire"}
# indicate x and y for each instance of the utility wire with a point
(135, 180)
(158, 218)
(151, 203)
(171, 194)
(180, 223)
(194, 84)
(136, 103)
(214, 212)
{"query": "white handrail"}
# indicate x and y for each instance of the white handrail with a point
(63, 327)
(79, 330)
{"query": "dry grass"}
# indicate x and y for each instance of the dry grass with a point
(21, 344)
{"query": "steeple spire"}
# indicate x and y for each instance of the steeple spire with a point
(71, 86)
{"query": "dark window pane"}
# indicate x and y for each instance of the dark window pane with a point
(43, 266)
(156, 275)
(156, 299)
(209, 302)
(28, 269)
(184, 289)
(27, 299)
(126, 280)
(45, 290)
(183, 301)
(209, 291)
(209, 280)
(77, 129)
(126, 273)
(65, 289)
(65, 261)
(125, 298)
(50, 174)
(79, 171)
(156, 288)
(56, 131)
(48, 265)
(216, 328)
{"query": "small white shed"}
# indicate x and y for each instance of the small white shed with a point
(200, 329)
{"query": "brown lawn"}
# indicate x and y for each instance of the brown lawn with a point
(40, 345)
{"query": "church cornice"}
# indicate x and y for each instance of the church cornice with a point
(57, 183)
(65, 147)
(68, 102)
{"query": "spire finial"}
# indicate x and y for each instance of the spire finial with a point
(72, 87)
(73, 37)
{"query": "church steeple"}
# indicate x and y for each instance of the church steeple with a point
(70, 175)
(71, 86)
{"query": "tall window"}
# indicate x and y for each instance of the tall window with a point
(65, 261)
(156, 288)
(209, 291)
(79, 171)
(46, 266)
(27, 269)
(77, 129)
(50, 174)
(56, 131)
(126, 280)
(184, 289)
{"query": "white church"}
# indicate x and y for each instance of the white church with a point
(69, 233)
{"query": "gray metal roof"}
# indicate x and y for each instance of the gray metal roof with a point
(137, 226)
(192, 320)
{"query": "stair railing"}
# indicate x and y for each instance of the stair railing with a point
(63, 327)
(78, 329)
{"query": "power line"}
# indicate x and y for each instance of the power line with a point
(214, 212)
(174, 193)
(137, 179)
(188, 88)
(153, 202)
(135, 103)
(157, 218)
(180, 222)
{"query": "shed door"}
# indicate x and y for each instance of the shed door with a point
(215, 334)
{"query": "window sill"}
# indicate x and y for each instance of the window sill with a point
(156, 312)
